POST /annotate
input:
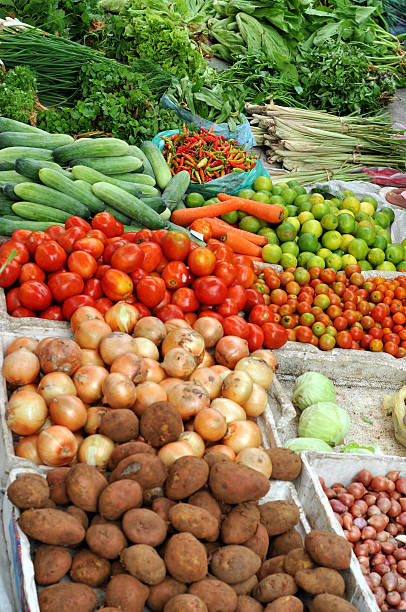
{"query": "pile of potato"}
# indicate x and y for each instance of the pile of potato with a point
(188, 538)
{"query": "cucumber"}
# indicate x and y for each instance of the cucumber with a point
(38, 212)
(117, 215)
(180, 205)
(87, 189)
(31, 167)
(39, 194)
(134, 177)
(11, 176)
(176, 189)
(129, 205)
(110, 165)
(145, 161)
(97, 147)
(5, 207)
(12, 153)
(37, 141)
(8, 191)
(166, 214)
(52, 178)
(93, 176)
(5, 165)
(11, 125)
(8, 226)
(156, 204)
(132, 228)
(160, 167)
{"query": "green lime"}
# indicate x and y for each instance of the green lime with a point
(388, 211)
(387, 265)
(401, 265)
(289, 195)
(382, 219)
(376, 256)
(300, 190)
(270, 234)
(246, 193)
(262, 196)
(284, 185)
(242, 214)
(371, 200)
(334, 210)
(319, 210)
(367, 208)
(339, 252)
(194, 200)
(351, 203)
(276, 189)
(231, 217)
(277, 199)
(303, 258)
(395, 253)
(380, 242)
(324, 253)
(403, 243)
(316, 198)
(366, 223)
(308, 242)
(305, 216)
(250, 224)
(346, 223)
(262, 223)
(303, 197)
(294, 221)
(364, 265)
(331, 240)
(334, 261)
(329, 222)
(345, 241)
(290, 247)
(312, 227)
(358, 248)
(385, 234)
(367, 234)
(285, 211)
(305, 206)
(348, 260)
(361, 216)
(286, 232)
(292, 210)
(336, 202)
(271, 253)
(314, 261)
(211, 201)
(347, 193)
(288, 261)
(262, 183)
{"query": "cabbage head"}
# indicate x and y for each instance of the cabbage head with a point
(310, 388)
(326, 421)
(308, 444)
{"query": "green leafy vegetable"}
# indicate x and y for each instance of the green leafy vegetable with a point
(361, 449)
(308, 444)
(312, 387)
(325, 421)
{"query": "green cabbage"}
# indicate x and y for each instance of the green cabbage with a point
(326, 421)
(357, 449)
(310, 388)
(308, 444)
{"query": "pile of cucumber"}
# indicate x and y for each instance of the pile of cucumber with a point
(46, 178)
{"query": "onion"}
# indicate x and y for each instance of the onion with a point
(122, 317)
(130, 365)
(56, 383)
(47, 423)
(27, 449)
(179, 363)
(69, 411)
(151, 328)
(172, 324)
(209, 379)
(90, 333)
(186, 339)
(210, 424)
(210, 329)
(146, 348)
(172, 451)
(207, 361)
(229, 350)
(257, 401)
(26, 412)
(30, 387)
(88, 383)
(91, 357)
(84, 313)
(115, 344)
(24, 342)
(20, 367)
(189, 398)
(148, 393)
(267, 356)
(118, 391)
(221, 370)
(230, 410)
(96, 450)
(60, 355)
(94, 418)
(257, 459)
(41, 344)
(195, 442)
(243, 434)
(78, 437)
(237, 386)
(56, 446)
(155, 372)
(169, 383)
(258, 369)
(221, 448)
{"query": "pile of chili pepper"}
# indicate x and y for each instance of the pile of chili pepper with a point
(204, 155)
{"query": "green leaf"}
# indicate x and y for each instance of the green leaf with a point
(362, 13)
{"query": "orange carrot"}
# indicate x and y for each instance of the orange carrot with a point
(185, 216)
(220, 227)
(268, 212)
(240, 245)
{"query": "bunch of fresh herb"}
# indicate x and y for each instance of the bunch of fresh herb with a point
(17, 94)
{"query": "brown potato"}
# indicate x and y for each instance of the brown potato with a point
(328, 549)
(79, 514)
(51, 527)
(146, 469)
(234, 563)
(67, 596)
(259, 542)
(126, 593)
(117, 568)
(90, 569)
(143, 526)
(143, 562)
(185, 603)
(148, 495)
(122, 451)
(50, 503)
(161, 423)
(211, 457)
(286, 464)
(163, 592)
(185, 558)
(320, 580)
(332, 603)
(84, 483)
(279, 516)
(290, 540)
(57, 486)
(245, 603)
(272, 566)
(99, 520)
(186, 476)
(51, 563)
(217, 595)
(109, 609)
(204, 499)
(197, 521)
(106, 540)
(295, 560)
(246, 586)
(29, 491)
(236, 484)
(118, 497)
(274, 586)
(240, 524)
(121, 425)
(162, 505)
(288, 603)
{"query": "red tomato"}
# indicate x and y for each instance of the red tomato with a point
(93, 288)
(20, 235)
(378, 312)
(55, 232)
(275, 335)
(190, 317)
(65, 284)
(304, 334)
(142, 309)
(252, 299)
(210, 290)
(237, 293)
(111, 245)
(68, 239)
(165, 300)
(116, 285)
(82, 263)
(150, 291)
(101, 270)
(127, 258)
(73, 303)
(176, 245)
(227, 308)
(344, 339)
(376, 346)
(221, 251)
(201, 261)
(94, 233)
(53, 313)
(137, 275)
(226, 272)
(391, 338)
(367, 322)
(245, 275)
(9, 270)
(211, 313)
(12, 301)
(356, 332)
(35, 295)
(260, 314)
(144, 235)
(176, 275)
(78, 222)
(391, 348)
(19, 250)
(106, 223)
(34, 239)
(243, 260)
(152, 255)
(376, 332)
(255, 337)
(235, 326)
(186, 300)
(203, 227)
(91, 245)
(22, 312)
(170, 311)
(103, 304)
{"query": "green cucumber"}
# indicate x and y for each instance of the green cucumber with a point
(5, 165)
(38, 212)
(37, 141)
(11, 176)
(8, 226)
(97, 203)
(54, 179)
(160, 167)
(132, 228)
(95, 147)
(31, 167)
(39, 194)
(11, 125)
(117, 214)
(93, 176)
(156, 203)
(12, 153)
(145, 161)
(176, 189)
(128, 205)
(110, 165)
(8, 191)
(134, 177)
(5, 207)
